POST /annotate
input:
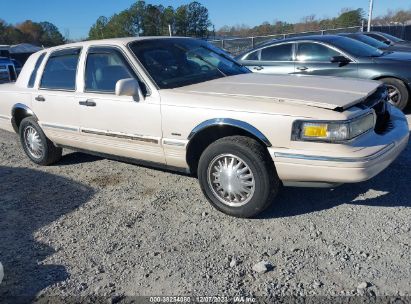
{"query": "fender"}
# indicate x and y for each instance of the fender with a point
(18, 112)
(229, 122)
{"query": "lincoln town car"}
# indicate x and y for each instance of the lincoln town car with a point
(184, 105)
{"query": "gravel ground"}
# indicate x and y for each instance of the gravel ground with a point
(100, 228)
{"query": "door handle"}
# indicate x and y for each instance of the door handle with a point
(302, 68)
(40, 98)
(87, 103)
(258, 68)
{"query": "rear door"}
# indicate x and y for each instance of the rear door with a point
(54, 101)
(314, 58)
(277, 59)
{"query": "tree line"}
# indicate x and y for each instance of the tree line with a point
(142, 19)
(43, 33)
(346, 18)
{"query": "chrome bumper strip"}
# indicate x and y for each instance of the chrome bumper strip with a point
(336, 159)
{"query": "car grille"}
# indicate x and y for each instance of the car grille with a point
(379, 102)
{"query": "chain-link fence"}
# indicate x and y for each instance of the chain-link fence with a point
(400, 31)
(236, 46)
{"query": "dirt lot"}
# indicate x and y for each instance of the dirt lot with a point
(96, 227)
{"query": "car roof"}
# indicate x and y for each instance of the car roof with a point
(318, 38)
(113, 41)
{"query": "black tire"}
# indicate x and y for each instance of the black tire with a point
(401, 102)
(259, 162)
(49, 153)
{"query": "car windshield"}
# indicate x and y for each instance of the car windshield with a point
(391, 37)
(368, 40)
(177, 62)
(356, 48)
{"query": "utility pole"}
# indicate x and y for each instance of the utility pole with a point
(169, 30)
(370, 15)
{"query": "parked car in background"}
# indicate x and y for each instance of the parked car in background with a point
(332, 55)
(179, 103)
(388, 39)
(17, 66)
(7, 71)
(377, 43)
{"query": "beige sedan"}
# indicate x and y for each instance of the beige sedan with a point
(182, 104)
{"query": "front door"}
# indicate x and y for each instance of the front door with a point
(315, 59)
(118, 125)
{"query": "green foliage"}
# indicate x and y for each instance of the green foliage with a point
(350, 18)
(153, 20)
(43, 33)
(309, 23)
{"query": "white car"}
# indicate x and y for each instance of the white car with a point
(180, 103)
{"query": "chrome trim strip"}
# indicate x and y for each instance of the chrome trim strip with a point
(4, 117)
(59, 127)
(121, 136)
(176, 143)
(230, 122)
(336, 159)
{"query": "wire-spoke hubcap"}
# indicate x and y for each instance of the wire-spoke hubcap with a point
(231, 180)
(394, 94)
(33, 142)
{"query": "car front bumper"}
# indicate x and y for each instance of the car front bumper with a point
(366, 160)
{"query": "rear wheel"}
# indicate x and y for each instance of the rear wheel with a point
(36, 145)
(237, 176)
(398, 92)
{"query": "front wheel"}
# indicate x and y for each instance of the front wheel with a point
(237, 176)
(36, 145)
(398, 92)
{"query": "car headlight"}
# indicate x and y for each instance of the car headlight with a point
(332, 131)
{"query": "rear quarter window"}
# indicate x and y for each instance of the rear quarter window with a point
(36, 68)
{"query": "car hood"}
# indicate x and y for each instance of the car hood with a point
(399, 48)
(316, 91)
(394, 56)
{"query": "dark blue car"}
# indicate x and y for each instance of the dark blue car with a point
(332, 55)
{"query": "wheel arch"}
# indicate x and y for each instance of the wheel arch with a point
(403, 80)
(213, 129)
(18, 113)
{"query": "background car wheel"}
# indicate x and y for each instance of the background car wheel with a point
(36, 145)
(238, 176)
(398, 92)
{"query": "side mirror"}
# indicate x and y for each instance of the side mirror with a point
(340, 59)
(129, 87)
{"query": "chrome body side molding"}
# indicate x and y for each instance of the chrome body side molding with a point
(122, 136)
(221, 122)
(50, 126)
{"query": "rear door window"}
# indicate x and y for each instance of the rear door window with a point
(61, 69)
